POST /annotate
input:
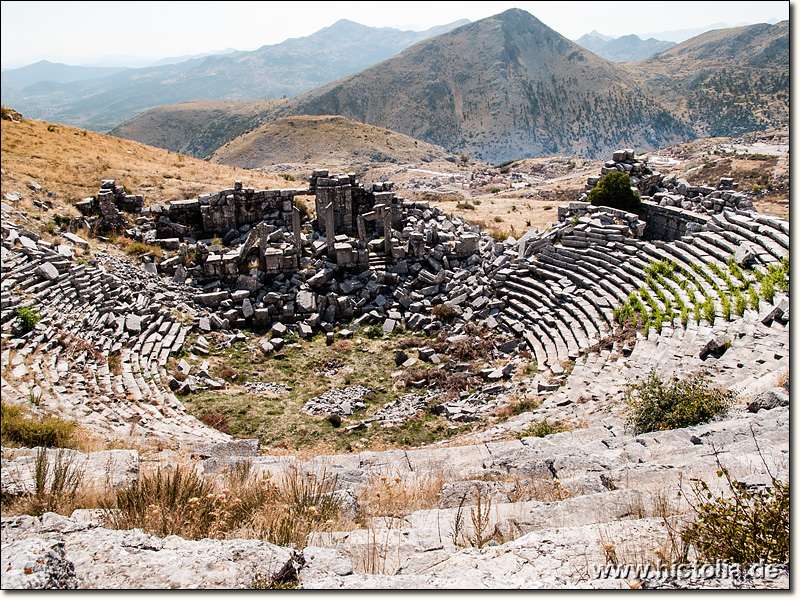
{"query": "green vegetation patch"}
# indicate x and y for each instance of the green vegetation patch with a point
(17, 428)
(543, 428)
(746, 524)
(614, 190)
(656, 405)
(29, 317)
(310, 368)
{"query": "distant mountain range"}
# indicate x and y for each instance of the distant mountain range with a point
(45, 70)
(623, 49)
(501, 88)
(286, 69)
(724, 82)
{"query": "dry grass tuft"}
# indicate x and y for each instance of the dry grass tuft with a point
(395, 496)
(237, 504)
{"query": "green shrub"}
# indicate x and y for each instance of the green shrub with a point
(140, 248)
(726, 308)
(29, 317)
(374, 332)
(614, 190)
(753, 294)
(543, 428)
(709, 311)
(768, 290)
(740, 303)
(745, 525)
(19, 429)
(655, 405)
(61, 221)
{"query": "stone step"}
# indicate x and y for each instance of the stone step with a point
(530, 334)
(710, 249)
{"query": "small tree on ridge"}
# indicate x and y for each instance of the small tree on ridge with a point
(614, 190)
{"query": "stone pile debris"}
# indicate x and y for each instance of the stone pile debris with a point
(401, 409)
(338, 401)
(387, 261)
(671, 190)
(477, 405)
(267, 387)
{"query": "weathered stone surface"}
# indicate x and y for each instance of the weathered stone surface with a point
(47, 271)
(247, 447)
(745, 255)
(133, 324)
(36, 564)
(715, 347)
(768, 400)
(306, 301)
(109, 559)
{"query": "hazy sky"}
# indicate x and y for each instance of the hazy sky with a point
(84, 32)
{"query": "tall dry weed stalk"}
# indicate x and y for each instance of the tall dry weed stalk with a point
(477, 532)
(373, 557)
(239, 504)
(57, 484)
(395, 496)
(383, 504)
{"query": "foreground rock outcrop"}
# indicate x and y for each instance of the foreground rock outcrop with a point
(59, 552)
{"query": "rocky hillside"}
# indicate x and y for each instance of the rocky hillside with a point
(286, 69)
(501, 88)
(196, 128)
(324, 139)
(725, 82)
(59, 165)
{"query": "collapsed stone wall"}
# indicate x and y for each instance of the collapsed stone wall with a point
(111, 202)
(369, 256)
(670, 190)
(671, 207)
(229, 209)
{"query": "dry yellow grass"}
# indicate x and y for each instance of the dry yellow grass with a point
(330, 140)
(71, 162)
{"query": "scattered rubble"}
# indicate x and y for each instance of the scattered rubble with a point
(338, 401)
